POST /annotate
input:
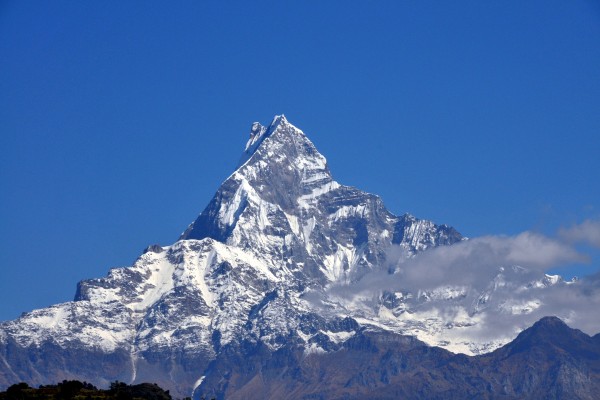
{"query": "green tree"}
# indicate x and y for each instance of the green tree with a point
(17, 391)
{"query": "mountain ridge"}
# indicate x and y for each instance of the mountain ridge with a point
(384, 366)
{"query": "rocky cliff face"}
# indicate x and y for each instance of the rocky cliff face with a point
(250, 279)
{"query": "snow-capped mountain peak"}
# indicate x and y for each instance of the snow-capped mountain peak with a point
(258, 133)
(284, 196)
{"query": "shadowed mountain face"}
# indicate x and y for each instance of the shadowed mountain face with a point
(242, 305)
(547, 361)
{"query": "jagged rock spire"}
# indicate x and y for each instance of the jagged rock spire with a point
(284, 195)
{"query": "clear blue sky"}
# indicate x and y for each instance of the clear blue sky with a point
(119, 120)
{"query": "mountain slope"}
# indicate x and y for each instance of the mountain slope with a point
(548, 360)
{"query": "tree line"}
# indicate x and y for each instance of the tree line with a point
(76, 390)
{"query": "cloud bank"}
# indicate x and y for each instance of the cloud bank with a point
(471, 262)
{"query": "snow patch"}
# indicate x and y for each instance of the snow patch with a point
(307, 201)
(339, 337)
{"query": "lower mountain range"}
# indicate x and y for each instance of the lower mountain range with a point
(547, 361)
(291, 285)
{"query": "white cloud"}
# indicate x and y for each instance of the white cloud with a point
(473, 262)
(586, 232)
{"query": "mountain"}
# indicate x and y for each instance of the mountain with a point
(262, 274)
(547, 361)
